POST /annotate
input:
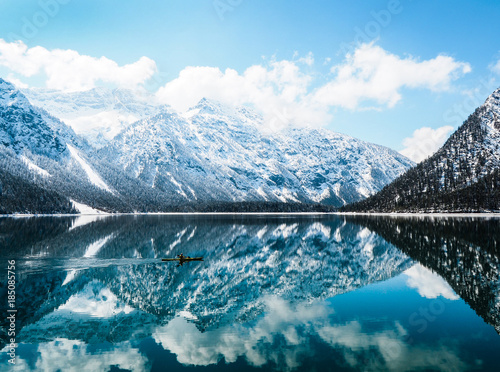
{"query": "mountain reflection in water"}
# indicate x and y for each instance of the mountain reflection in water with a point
(94, 290)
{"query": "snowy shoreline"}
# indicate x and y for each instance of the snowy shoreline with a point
(386, 214)
(422, 214)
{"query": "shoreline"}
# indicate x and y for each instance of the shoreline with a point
(423, 214)
(386, 214)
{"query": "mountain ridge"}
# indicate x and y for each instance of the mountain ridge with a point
(239, 155)
(98, 114)
(462, 176)
(211, 157)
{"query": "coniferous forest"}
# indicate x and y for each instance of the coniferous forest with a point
(462, 176)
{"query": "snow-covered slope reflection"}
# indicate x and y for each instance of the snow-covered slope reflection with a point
(296, 259)
(265, 294)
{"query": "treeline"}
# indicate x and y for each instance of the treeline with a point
(23, 191)
(68, 181)
(460, 177)
(481, 196)
(253, 207)
(20, 196)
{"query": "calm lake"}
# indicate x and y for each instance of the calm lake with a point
(280, 293)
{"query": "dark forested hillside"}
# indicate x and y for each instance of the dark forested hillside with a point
(461, 176)
(21, 196)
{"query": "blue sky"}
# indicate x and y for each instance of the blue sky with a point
(376, 70)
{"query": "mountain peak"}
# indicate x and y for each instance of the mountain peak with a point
(491, 117)
(10, 95)
(461, 176)
(207, 106)
(493, 99)
(239, 115)
(6, 86)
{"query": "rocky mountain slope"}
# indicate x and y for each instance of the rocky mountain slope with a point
(204, 159)
(98, 114)
(231, 151)
(461, 176)
(43, 161)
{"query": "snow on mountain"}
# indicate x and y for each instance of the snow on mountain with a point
(43, 162)
(89, 214)
(213, 152)
(94, 178)
(98, 114)
(35, 167)
(490, 120)
(209, 154)
(463, 175)
(22, 126)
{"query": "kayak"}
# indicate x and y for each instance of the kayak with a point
(184, 259)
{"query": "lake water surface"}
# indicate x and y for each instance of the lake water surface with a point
(281, 293)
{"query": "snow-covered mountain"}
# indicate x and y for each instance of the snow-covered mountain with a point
(98, 114)
(216, 153)
(43, 161)
(208, 155)
(463, 175)
(27, 133)
(24, 127)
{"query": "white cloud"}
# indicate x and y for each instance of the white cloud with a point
(283, 92)
(428, 283)
(308, 59)
(71, 71)
(279, 91)
(372, 74)
(495, 67)
(18, 83)
(425, 142)
(286, 92)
